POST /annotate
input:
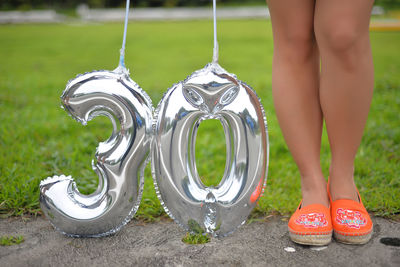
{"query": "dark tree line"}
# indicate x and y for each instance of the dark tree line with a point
(58, 4)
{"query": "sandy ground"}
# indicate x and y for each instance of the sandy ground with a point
(262, 243)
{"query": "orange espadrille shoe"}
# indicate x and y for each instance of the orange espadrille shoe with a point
(311, 225)
(350, 220)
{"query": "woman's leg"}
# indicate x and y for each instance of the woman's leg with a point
(295, 87)
(342, 32)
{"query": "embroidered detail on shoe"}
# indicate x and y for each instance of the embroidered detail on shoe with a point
(312, 220)
(351, 218)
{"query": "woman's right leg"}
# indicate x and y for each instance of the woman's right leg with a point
(295, 82)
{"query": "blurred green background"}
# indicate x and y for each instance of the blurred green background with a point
(38, 139)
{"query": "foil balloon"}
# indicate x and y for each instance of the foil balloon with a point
(209, 93)
(119, 161)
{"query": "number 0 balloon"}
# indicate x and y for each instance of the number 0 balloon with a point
(209, 93)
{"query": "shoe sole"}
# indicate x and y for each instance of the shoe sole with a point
(312, 240)
(352, 239)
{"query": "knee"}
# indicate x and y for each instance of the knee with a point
(296, 46)
(341, 39)
(342, 42)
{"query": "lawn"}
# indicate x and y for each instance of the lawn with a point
(38, 139)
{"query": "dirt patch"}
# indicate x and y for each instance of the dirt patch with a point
(263, 243)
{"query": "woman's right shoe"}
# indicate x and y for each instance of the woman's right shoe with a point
(311, 225)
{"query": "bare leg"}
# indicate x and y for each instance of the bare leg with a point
(342, 33)
(295, 87)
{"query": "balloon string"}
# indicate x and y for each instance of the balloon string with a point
(215, 52)
(122, 51)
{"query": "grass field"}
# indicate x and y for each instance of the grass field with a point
(38, 139)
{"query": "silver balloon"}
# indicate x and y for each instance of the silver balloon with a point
(210, 93)
(119, 161)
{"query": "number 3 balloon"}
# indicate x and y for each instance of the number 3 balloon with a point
(120, 161)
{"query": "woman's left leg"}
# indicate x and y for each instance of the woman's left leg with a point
(346, 85)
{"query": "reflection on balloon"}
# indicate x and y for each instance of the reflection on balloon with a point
(119, 161)
(209, 93)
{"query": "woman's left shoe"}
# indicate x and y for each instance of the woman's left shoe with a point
(350, 220)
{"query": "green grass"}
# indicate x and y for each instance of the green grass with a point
(38, 139)
(11, 240)
(195, 239)
(196, 234)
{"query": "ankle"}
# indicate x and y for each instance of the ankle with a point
(314, 191)
(343, 188)
(315, 197)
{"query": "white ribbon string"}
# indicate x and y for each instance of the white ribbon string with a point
(122, 51)
(215, 52)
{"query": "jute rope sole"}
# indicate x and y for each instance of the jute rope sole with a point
(352, 239)
(312, 240)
